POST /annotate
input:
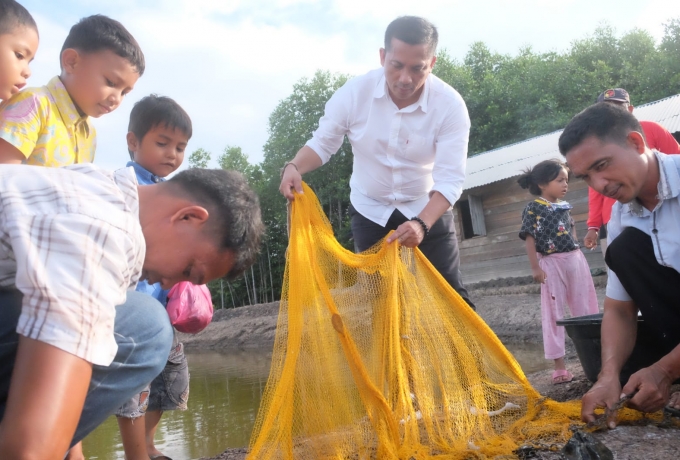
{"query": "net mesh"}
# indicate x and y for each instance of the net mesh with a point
(376, 356)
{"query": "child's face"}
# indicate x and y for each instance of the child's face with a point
(557, 187)
(17, 50)
(97, 82)
(161, 150)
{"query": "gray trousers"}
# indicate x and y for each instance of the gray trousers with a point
(440, 246)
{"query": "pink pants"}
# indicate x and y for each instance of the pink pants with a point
(568, 283)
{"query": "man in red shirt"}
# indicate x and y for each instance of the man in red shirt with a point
(600, 206)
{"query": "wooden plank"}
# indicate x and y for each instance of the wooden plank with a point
(504, 219)
(511, 232)
(576, 199)
(477, 215)
(510, 267)
(492, 248)
(457, 225)
(500, 253)
(507, 191)
(489, 239)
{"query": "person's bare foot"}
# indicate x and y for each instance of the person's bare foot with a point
(674, 401)
(76, 452)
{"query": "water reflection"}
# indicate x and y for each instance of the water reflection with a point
(223, 402)
(225, 394)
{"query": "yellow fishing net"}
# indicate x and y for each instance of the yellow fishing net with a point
(377, 357)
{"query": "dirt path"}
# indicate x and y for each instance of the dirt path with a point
(513, 312)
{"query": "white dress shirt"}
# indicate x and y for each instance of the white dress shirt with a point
(400, 155)
(71, 242)
(662, 224)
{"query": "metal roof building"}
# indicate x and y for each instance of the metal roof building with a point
(511, 160)
(489, 212)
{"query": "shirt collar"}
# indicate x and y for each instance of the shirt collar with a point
(425, 95)
(146, 177)
(554, 206)
(67, 109)
(381, 91)
(669, 183)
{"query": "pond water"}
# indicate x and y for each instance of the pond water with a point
(225, 394)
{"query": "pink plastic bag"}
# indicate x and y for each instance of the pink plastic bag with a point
(189, 307)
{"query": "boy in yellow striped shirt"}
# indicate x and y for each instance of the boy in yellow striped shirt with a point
(49, 126)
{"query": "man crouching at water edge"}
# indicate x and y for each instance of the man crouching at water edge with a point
(75, 343)
(605, 146)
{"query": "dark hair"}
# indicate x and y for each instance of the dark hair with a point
(607, 122)
(412, 30)
(234, 210)
(98, 32)
(154, 110)
(541, 174)
(13, 16)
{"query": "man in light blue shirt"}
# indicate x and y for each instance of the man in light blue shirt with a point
(605, 146)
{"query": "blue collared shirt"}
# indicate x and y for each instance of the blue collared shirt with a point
(662, 224)
(145, 177)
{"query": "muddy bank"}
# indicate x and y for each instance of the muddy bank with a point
(510, 307)
(512, 310)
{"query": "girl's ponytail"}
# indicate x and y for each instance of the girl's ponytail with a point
(543, 173)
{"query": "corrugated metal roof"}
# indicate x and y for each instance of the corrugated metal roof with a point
(511, 160)
(666, 112)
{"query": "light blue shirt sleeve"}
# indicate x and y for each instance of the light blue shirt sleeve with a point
(615, 289)
(154, 290)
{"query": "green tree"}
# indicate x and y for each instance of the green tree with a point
(255, 286)
(199, 158)
(513, 98)
(291, 124)
(233, 158)
(510, 98)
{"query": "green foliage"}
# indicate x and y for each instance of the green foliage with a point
(233, 158)
(513, 98)
(199, 158)
(510, 99)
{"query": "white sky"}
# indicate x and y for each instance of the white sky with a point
(230, 62)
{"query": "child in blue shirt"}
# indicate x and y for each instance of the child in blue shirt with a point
(158, 133)
(157, 137)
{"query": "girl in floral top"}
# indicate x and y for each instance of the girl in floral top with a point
(555, 257)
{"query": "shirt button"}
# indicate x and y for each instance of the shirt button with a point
(655, 231)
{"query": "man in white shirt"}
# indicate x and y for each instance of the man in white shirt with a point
(75, 343)
(409, 133)
(605, 145)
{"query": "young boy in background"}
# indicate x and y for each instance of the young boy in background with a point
(157, 136)
(48, 126)
(18, 45)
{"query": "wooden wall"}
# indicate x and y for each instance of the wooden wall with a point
(501, 254)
